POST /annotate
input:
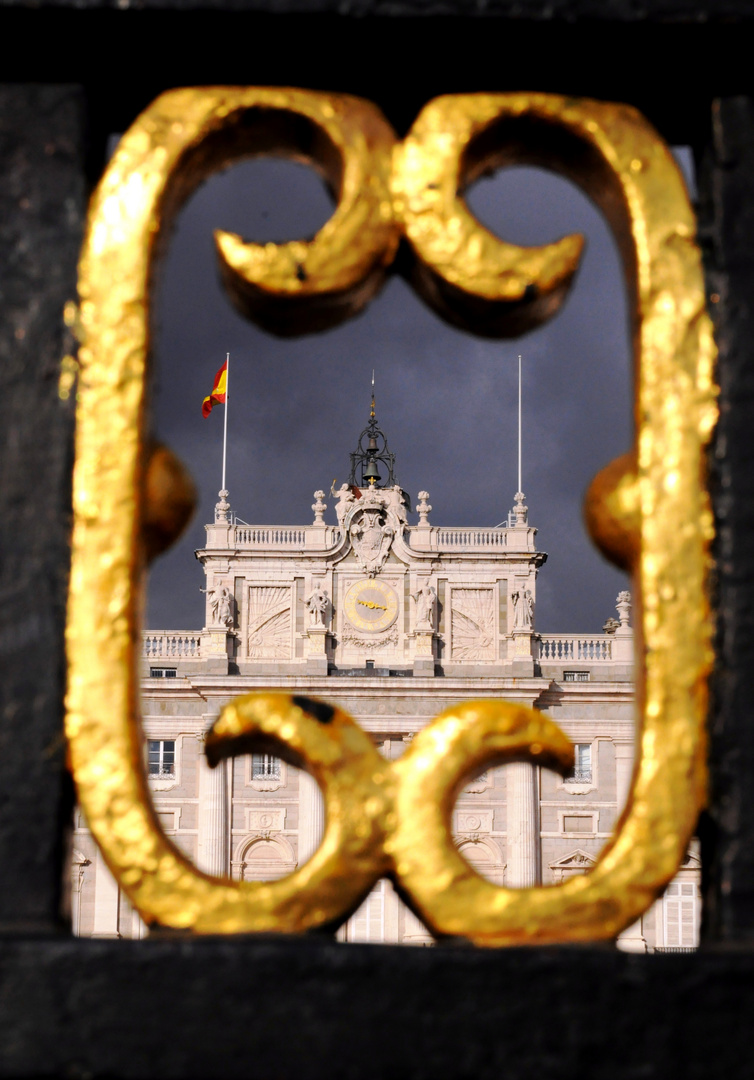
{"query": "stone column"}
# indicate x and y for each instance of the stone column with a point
(523, 859)
(311, 816)
(106, 901)
(212, 839)
(632, 939)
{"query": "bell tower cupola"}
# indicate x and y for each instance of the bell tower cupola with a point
(372, 462)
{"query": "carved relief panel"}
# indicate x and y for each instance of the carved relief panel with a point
(269, 627)
(472, 624)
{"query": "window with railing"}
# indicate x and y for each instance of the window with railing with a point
(575, 676)
(161, 757)
(582, 765)
(265, 767)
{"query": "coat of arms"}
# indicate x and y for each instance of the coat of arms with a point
(371, 538)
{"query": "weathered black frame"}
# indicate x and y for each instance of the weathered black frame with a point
(272, 1007)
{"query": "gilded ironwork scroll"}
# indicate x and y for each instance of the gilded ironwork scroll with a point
(649, 511)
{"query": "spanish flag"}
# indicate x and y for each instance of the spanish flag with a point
(217, 397)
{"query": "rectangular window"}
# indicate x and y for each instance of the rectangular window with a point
(265, 767)
(163, 673)
(368, 924)
(681, 915)
(575, 676)
(582, 765)
(161, 757)
(575, 823)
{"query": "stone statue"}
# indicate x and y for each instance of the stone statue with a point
(523, 610)
(394, 502)
(426, 603)
(345, 502)
(317, 605)
(221, 605)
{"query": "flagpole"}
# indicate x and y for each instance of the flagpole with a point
(519, 423)
(225, 425)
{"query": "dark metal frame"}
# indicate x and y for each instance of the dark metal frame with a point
(268, 1007)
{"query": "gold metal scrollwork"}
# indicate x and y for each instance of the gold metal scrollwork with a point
(649, 511)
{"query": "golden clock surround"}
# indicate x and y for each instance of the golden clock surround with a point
(374, 596)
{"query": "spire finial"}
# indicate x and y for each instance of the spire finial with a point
(371, 414)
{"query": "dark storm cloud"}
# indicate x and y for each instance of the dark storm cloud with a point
(446, 400)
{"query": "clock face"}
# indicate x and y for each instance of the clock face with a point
(371, 605)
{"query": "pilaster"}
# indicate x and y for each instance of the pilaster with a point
(523, 826)
(311, 816)
(212, 854)
(632, 939)
(106, 901)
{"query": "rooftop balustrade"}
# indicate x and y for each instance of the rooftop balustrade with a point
(285, 538)
(172, 644)
(591, 648)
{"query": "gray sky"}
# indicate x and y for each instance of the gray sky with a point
(446, 400)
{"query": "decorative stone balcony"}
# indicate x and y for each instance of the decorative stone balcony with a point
(172, 645)
(560, 648)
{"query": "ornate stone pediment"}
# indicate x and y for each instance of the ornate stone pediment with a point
(575, 862)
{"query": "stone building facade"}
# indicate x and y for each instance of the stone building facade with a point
(393, 622)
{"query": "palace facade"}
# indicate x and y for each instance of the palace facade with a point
(393, 622)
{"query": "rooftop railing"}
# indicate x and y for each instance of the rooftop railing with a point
(275, 536)
(172, 644)
(458, 539)
(308, 537)
(573, 647)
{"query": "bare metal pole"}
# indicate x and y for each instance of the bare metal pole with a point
(519, 423)
(225, 426)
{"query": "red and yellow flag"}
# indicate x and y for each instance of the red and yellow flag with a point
(217, 397)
